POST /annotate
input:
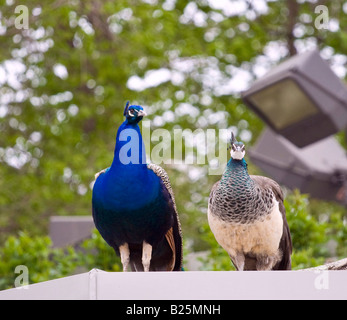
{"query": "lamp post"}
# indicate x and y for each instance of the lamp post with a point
(301, 99)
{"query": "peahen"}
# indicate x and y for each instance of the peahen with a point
(133, 204)
(247, 217)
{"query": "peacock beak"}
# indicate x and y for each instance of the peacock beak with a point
(142, 113)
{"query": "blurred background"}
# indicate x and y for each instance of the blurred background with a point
(68, 67)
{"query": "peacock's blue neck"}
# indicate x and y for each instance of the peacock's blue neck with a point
(129, 151)
(128, 176)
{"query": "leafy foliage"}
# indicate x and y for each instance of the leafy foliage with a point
(35, 253)
(47, 263)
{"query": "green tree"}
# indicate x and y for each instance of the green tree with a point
(46, 263)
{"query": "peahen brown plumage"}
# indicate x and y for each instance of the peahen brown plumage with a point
(248, 218)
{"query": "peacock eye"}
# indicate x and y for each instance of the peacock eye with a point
(131, 112)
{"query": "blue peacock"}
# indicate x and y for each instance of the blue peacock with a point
(133, 204)
(248, 218)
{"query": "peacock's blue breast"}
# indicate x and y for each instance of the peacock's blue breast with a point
(130, 210)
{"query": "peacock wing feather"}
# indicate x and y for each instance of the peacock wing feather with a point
(174, 235)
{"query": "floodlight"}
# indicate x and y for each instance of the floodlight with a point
(319, 169)
(301, 99)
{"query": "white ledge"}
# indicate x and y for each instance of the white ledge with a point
(101, 285)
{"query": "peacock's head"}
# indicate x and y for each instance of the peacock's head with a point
(134, 114)
(238, 149)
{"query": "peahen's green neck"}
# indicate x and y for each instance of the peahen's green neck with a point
(236, 174)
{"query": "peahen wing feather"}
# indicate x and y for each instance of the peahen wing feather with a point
(286, 241)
